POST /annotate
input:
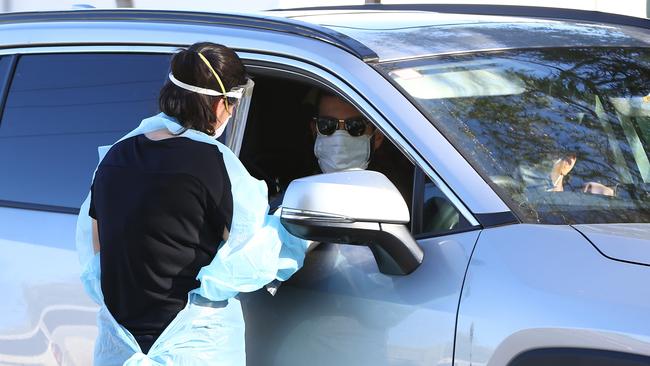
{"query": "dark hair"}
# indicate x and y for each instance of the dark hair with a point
(194, 110)
(320, 95)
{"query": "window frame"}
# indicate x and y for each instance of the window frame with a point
(6, 79)
(302, 71)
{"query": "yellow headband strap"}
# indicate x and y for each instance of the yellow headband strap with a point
(223, 90)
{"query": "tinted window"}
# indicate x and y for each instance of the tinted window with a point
(433, 213)
(561, 133)
(60, 108)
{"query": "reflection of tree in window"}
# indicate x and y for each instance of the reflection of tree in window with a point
(564, 108)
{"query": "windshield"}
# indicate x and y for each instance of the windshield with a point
(561, 134)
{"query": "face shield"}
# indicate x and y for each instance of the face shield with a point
(239, 95)
(234, 133)
(238, 101)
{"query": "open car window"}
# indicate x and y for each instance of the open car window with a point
(278, 144)
(278, 147)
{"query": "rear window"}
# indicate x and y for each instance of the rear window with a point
(59, 109)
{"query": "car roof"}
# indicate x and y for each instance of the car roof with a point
(165, 20)
(387, 33)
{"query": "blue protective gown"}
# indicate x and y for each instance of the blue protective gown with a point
(258, 251)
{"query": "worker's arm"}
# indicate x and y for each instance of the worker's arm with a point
(95, 237)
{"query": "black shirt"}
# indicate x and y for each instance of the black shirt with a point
(161, 208)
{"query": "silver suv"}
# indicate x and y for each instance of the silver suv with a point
(518, 137)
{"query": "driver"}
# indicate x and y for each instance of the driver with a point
(344, 139)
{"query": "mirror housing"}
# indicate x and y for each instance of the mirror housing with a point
(358, 207)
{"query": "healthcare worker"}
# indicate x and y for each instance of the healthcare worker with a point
(174, 226)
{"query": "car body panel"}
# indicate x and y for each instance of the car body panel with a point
(626, 242)
(340, 310)
(549, 283)
(50, 313)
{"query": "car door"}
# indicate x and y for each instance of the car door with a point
(58, 105)
(340, 309)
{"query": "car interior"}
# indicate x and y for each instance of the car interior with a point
(277, 146)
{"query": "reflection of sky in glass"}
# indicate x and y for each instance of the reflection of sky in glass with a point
(564, 109)
(398, 20)
(60, 108)
(33, 264)
(405, 42)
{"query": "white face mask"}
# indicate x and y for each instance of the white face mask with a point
(219, 131)
(340, 151)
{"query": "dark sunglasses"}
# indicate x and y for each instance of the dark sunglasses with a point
(355, 126)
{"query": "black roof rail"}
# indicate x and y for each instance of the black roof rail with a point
(501, 10)
(261, 22)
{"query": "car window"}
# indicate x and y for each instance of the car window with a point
(278, 144)
(60, 108)
(433, 213)
(561, 134)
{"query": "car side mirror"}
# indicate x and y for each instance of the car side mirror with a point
(359, 207)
